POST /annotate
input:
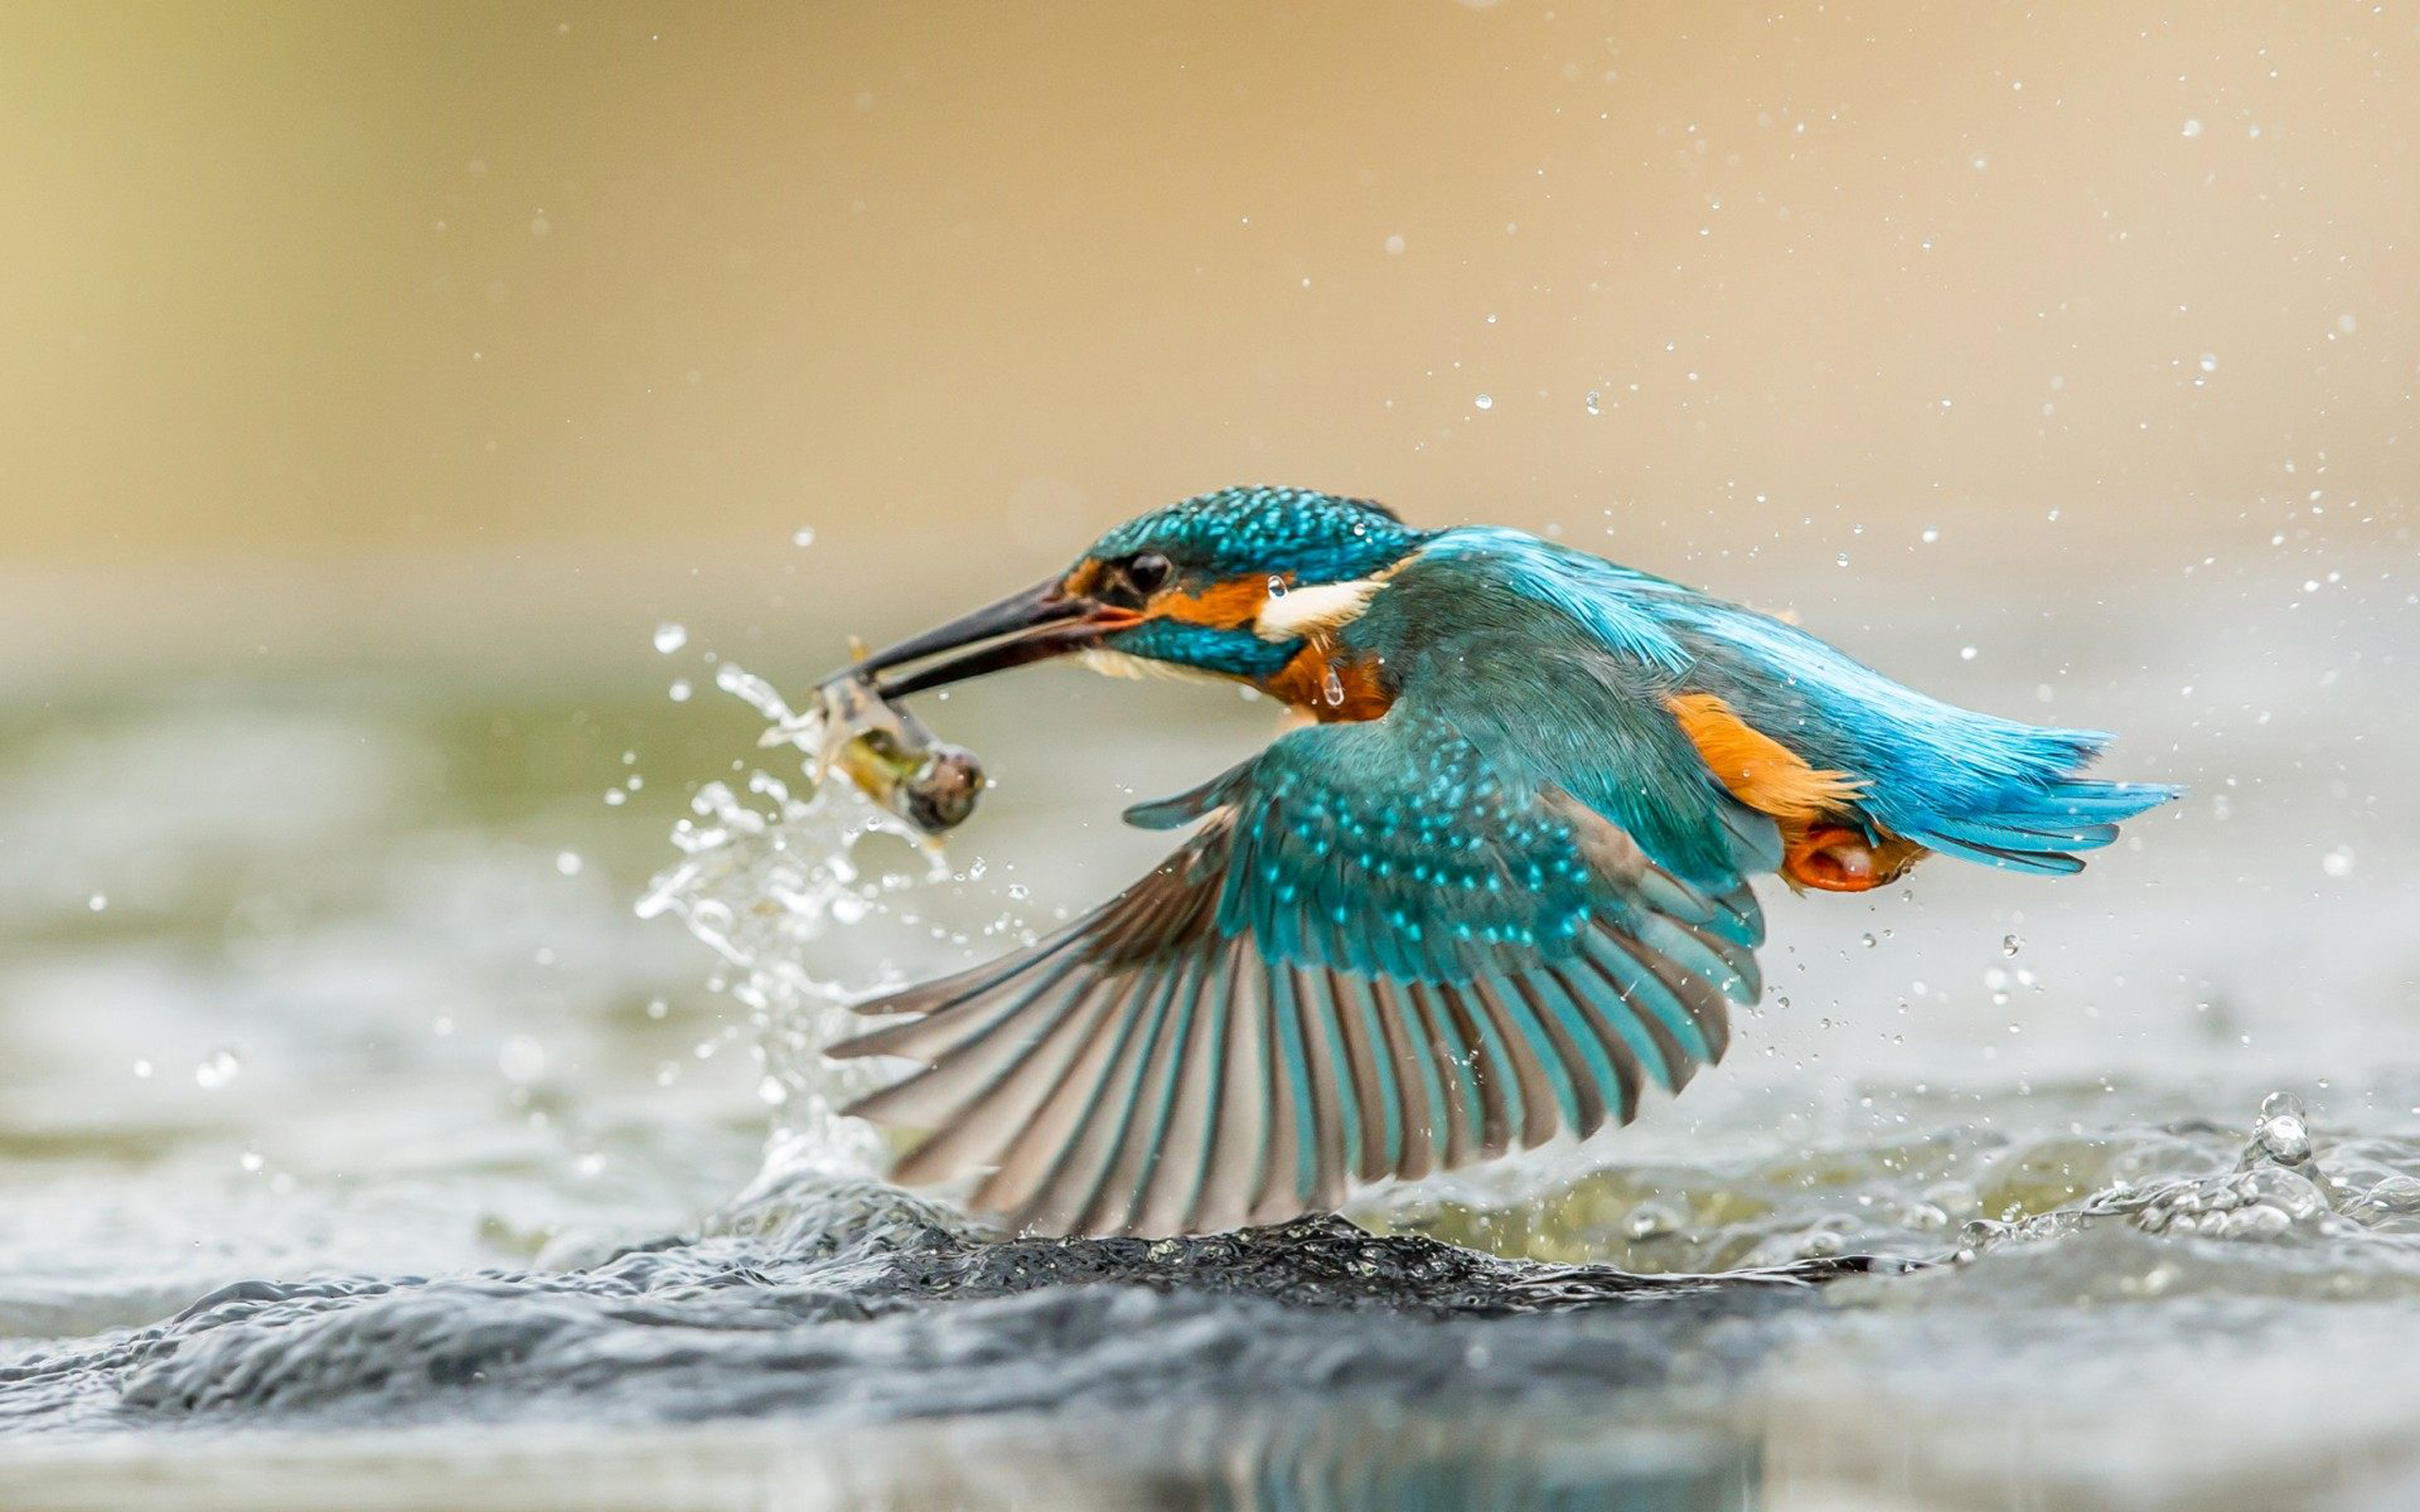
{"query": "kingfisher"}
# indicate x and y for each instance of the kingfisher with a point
(1491, 887)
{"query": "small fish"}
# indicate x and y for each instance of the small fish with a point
(885, 752)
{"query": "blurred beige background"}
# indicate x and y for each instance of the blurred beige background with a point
(395, 326)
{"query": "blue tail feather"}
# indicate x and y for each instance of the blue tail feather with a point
(2037, 829)
(2107, 802)
(2024, 832)
(2045, 863)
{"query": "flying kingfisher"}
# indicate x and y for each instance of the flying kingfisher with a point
(1491, 887)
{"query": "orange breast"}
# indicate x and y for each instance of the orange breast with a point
(1329, 688)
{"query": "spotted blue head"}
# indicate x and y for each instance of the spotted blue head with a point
(1230, 584)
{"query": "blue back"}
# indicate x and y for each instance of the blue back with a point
(1971, 784)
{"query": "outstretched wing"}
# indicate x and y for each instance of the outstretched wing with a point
(1384, 954)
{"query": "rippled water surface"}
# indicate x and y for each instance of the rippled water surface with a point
(391, 1116)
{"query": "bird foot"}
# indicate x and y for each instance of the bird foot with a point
(1831, 858)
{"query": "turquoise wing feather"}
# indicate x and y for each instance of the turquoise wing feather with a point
(1385, 952)
(1997, 791)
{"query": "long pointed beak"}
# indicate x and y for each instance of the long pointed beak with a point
(1034, 626)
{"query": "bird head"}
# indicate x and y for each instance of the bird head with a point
(1229, 584)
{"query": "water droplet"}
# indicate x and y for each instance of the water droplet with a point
(568, 863)
(142, 1070)
(2283, 1133)
(670, 637)
(521, 1059)
(615, 798)
(2192, 128)
(802, 537)
(1332, 688)
(679, 690)
(2010, 944)
(1840, 560)
(772, 1092)
(98, 902)
(218, 1068)
(1929, 536)
(1277, 588)
(1595, 403)
(1967, 653)
(1485, 402)
(1651, 1220)
(2209, 362)
(2338, 862)
(2396, 1194)
(1394, 246)
(250, 1160)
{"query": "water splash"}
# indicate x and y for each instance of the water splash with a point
(789, 889)
(1962, 1195)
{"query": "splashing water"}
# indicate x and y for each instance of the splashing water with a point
(788, 890)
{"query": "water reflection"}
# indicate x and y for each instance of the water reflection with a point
(1390, 1462)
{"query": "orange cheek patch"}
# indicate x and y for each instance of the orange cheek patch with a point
(1228, 605)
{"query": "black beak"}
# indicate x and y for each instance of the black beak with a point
(1034, 626)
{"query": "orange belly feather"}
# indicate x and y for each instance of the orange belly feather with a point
(1818, 850)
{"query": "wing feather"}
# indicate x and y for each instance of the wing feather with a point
(1075, 1177)
(1499, 1088)
(1379, 956)
(1287, 1177)
(978, 1130)
(1418, 1089)
(1246, 1122)
(1145, 1126)
(1369, 1080)
(1040, 1144)
(1175, 1182)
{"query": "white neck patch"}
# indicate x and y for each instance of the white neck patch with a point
(1304, 611)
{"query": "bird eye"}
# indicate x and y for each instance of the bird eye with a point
(1147, 571)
